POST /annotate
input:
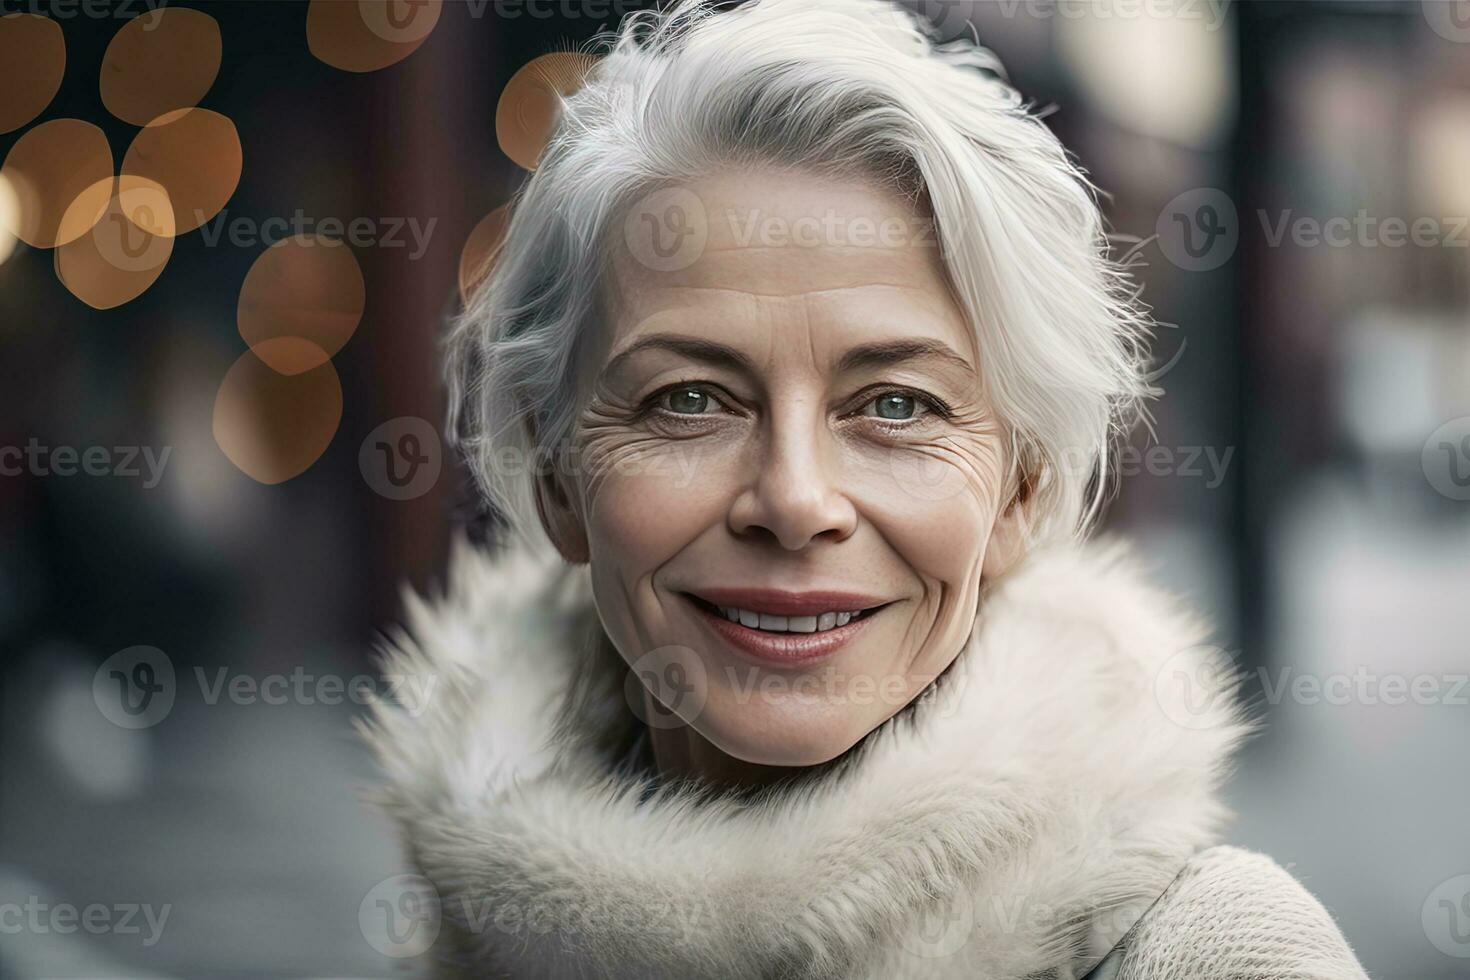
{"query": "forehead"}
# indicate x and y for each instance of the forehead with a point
(784, 254)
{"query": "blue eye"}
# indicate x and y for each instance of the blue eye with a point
(686, 401)
(894, 406)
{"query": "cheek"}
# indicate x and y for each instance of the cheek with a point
(644, 500)
(935, 504)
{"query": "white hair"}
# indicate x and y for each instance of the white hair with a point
(850, 88)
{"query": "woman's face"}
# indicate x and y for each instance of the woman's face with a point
(786, 478)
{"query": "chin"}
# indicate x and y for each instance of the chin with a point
(795, 739)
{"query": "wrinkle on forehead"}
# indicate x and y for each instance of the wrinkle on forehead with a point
(750, 294)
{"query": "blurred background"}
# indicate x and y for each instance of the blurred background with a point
(219, 457)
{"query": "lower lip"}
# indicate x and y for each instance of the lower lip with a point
(784, 649)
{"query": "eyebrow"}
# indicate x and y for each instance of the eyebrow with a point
(693, 348)
(876, 354)
(885, 352)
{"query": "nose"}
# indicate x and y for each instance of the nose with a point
(794, 497)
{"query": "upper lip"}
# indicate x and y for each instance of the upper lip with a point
(779, 602)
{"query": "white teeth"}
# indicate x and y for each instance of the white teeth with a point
(787, 624)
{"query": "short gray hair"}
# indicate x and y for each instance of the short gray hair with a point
(839, 87)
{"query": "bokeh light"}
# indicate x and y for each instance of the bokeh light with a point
(300, 302)
(273, 426)
(160, 61)
(530, 105)
(32, 63)
(367, 35)
(50, 167)
(480, 250)
(195, 155)
(126, 251)
(9, 217)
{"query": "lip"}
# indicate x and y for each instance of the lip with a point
(784, 649)
(779, 602)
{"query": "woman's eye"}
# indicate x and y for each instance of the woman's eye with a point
(895, 406)
(687, 401)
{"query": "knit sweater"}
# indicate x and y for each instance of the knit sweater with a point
(1050, 810)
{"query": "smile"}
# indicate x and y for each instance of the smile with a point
(785, 628)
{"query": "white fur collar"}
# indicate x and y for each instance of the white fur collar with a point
(1019, 823)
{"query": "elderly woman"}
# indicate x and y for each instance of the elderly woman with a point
(803, 354)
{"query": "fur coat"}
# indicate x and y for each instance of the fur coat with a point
(1016, 824)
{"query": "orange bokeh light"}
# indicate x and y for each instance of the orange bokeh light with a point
(51, 168)
(366, 35)
(160, 61)
(32, 63)
(481, 249)
(274, 426)
(530, 106)
(300, 302)
(125, 252)
(195, 155)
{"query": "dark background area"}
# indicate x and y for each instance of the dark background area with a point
(1301, 495)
